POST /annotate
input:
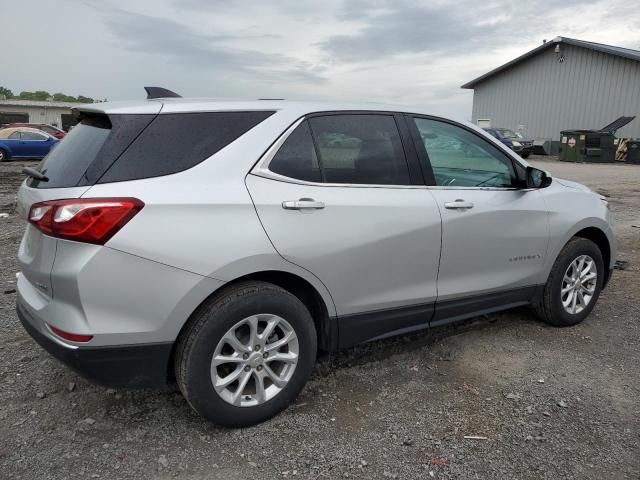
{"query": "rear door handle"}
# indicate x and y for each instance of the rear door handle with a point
(302, 204)
(459, 204)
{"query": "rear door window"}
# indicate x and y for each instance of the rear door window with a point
(360, 149)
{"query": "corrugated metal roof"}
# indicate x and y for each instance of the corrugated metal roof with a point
(40, 103)
(600, 47)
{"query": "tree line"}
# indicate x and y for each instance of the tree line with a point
(43, 95)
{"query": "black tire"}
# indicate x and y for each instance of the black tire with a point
(525, 155)
(207, 326)
(548, 305)
(4, 156)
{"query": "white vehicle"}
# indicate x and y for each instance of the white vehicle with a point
(223, 243)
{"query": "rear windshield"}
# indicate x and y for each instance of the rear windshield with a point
(115, 148)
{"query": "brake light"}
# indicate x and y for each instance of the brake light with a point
(89, 220)
(73, 337)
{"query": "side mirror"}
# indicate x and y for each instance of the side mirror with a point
(537, 178)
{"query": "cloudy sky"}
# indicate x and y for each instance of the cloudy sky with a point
(398, 51)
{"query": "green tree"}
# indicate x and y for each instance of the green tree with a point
(5, 92)
(83, 99)
(41, 95)
(61, 97)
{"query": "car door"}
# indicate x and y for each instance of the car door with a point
(336, 196)
(14, 143)
(494, 233)
(34, 144)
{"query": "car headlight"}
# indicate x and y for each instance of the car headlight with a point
(516, 144)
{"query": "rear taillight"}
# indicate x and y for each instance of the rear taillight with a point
(89, 220)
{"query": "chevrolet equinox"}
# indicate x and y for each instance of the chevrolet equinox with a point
(223, 243)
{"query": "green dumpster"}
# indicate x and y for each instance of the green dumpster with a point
(591, 145)
(633, 151)
(587, 146)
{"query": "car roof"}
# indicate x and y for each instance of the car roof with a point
(5, 132)
(183, 105)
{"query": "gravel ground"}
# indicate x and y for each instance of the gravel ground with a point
(545, 402)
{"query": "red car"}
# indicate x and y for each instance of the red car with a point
(50, 129)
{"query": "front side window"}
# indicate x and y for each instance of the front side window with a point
(460, 158)
(14, 136)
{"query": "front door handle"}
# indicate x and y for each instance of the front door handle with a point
(302, 204)
(459, 204)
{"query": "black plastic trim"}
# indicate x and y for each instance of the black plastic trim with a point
(449, 311)
(364, 327)
(375, 325)
(128, 366)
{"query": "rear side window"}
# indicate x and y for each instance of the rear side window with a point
(176, 142)
(116, 148)
(297, 158)
(350, 149)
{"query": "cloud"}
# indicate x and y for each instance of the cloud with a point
(393, 28)
(213, 52)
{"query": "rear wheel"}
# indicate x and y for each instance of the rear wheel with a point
(246, 355)
(574, 284)
(3, 155)
(525, 155)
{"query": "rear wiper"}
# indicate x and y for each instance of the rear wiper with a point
(32, 172)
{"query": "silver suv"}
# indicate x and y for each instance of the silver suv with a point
(223, 243)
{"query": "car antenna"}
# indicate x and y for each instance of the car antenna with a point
(159, 92)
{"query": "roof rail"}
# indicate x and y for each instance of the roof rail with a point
(159, 92)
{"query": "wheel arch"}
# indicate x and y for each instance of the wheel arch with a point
(322, 310)
(596, 230)
(599, 237)
(6, 150)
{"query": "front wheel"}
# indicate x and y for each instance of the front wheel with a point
(246, 354)
(574, 284)
(3, 155)
(525, 155)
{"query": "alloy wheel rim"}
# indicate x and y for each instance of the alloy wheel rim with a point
(579, 284)
(254, 360)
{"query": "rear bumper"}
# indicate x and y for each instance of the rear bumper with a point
(130, 366)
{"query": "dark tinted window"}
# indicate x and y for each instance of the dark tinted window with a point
(68, 160)
(297, 158)
(114, 148)
(175, 142)
(460, 158)
(360, 149)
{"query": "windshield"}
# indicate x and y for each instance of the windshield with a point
(506, 133)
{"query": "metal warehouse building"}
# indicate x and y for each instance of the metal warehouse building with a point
(53, 113)
(562, 84)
